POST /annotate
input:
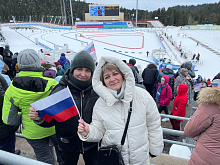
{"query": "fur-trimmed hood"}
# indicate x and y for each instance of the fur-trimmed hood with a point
(152, 65)
(210, 95)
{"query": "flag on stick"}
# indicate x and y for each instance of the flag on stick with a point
(59, 106)
(90, 48)
(160, 67)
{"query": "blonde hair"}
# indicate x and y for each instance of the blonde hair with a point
(185, 70)
(109, 66)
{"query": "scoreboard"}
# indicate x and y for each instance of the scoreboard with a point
(104, 10)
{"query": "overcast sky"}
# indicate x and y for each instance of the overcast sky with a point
(151, 4)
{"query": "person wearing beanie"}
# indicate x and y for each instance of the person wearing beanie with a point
(49, 65)
(64, 62)
(132, 63)
(201, 82)
(209, 83)
(60, 70)
(6, 50)
(78, 78)
(28, 87)
(167, 70)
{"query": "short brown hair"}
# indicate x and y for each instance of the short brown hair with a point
(109, 66)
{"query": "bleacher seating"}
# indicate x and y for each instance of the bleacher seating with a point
(156, 24)
(101, 25)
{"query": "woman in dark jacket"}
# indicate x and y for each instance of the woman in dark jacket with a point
(149, 75)
(7, 133)
(79, 80)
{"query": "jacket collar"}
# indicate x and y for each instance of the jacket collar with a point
(38, 72)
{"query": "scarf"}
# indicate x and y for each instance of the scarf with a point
(159, 91)
(121, 94)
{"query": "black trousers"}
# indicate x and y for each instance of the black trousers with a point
(161, 108)
(149, 88)
(71, 158)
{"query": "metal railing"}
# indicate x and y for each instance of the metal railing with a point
(189, 142)
(12, 159)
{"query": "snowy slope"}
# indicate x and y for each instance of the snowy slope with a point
(123, 44)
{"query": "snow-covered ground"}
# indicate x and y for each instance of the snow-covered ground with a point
(124, 44)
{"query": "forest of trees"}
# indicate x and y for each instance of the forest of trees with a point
(44, 9)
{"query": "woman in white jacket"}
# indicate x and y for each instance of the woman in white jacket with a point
(114, 82)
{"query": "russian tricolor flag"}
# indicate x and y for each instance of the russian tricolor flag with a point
(90, 48)
(160, 67)
(59, 106)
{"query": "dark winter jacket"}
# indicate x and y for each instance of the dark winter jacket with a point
(170, 74)
(5, 51)
(85, 100)
(8, 60)
(5, 130)
(150, 74)
(180, 101)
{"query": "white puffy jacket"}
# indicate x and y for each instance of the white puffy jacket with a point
(144, 133)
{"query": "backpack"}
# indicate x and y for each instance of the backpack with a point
(66, 65)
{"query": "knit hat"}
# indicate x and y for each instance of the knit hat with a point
(49, 59)
(132, 61)
(169, 67)
(82, 59)
(199, 77)
(28, 58)
(1, 56)
(57, 63)
(62, 54)
(85, 60)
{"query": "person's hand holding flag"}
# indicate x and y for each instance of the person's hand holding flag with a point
(33, 114)
(83, 128)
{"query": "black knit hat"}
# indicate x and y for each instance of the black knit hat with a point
(83, 59)
(132, 61)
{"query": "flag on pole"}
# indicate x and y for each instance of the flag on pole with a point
(216, 83)
(160, 66)
(90, 48)
(36, 41)
(59, 106)
(56, 47)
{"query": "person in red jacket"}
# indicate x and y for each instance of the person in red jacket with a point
(179, 105)
(147, 53)
(164, 95)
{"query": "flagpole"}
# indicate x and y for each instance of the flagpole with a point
(74, 102)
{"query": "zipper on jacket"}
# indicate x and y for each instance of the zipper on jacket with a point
(82, 96)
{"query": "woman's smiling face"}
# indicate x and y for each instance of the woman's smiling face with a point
(113, 80)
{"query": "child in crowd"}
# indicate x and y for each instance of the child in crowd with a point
(60, 70)
(198, 85)
(48, 64)
(209, 83)
(164, 95)
(179, 105)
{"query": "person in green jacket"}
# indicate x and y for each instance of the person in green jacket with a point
(28, 87)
